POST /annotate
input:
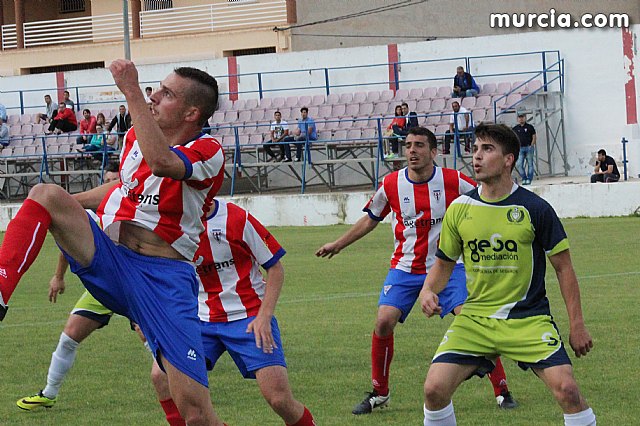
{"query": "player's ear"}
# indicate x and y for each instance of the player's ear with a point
(192, 114)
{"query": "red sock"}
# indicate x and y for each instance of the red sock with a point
(381, 356)
(498, 379)
(173, 415)
(21, 245)
(305, 420)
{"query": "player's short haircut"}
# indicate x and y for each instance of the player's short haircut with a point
(304, 109)
(86, 110)
(148, 88)
(203, 93)
(405, 104)
(602, 152)
(67, 92)
(501, 135)
(277, 112)
(423, 131)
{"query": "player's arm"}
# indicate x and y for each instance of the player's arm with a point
(92, 198)
(56, 284)
(579, 337)
(362, 227)
(152, 141)
(436, 281)
(261, 325)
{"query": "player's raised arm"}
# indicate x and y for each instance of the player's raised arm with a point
(579, 337)
(435, 282)
(261, 325)
(362, 227)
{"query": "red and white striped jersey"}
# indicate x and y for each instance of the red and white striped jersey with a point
(232, 248)
(417, 210)
(173, 209)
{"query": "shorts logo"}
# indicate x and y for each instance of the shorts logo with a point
(191, 355)
(436, 194)
(3, 273)
(386, 289)
(548, 337)
(515, 215)
(406, 200)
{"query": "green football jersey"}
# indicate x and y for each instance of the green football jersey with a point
(504, 244)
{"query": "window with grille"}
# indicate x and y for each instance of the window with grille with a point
(157, 4)
(71, 6)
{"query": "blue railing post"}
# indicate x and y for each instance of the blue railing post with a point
(467, 64)
(77, 104)
(326, 79)
(544, 70)
(380, 153)
(21, 102)
(396, 83)
(260, 85)
(624, 157)
(44, 164)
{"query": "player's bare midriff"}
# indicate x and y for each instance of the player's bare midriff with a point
(146, 242)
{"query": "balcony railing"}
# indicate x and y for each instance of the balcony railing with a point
(191, 19)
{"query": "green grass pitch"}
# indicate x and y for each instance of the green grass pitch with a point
(326, 313)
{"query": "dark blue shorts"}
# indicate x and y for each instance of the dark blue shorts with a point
(218, 337)
(401, 290)
(159, 294)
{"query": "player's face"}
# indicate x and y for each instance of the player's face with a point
(489, 162)
(168, 105)
(419, 156)
(111, 176)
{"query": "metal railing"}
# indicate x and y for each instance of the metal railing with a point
(190, 19)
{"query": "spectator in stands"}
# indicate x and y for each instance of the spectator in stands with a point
(462, 119)
(98, 142)
(464, 84)
(87, 127)
(4, 133)
(50, 109)
(101, 120)
(397, 124)
(68, 102)
(148, 91)
(278, 132)
(3, 113)
(121, 122)
(606, 169)
(306, 131)
(527, 136)
(65, 121)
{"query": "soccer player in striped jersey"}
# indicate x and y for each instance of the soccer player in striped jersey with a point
(236, 309)
(152, 219)
(504, 234)
(417, 197)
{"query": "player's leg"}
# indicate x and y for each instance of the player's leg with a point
(442, 381)
(191, 398)
(161, 385)
(47, 207)
(274, 385)
(452, 299)
(559, 379)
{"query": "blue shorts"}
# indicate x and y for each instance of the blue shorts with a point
(401, 290)
(159, 294)
(218, 337)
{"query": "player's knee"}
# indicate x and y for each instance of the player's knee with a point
(567, 393)
(45, 193)
(192, 413)
(279, 401)
(435, 395)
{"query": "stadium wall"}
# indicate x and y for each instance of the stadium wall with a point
(596, 72)
(572, 200)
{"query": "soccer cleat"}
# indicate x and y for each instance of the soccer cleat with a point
(29, 403)
(371, 401)
(3, 308)
(506, 401)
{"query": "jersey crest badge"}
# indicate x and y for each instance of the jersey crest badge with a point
(386, 289)
(437, 193)
(216, 234)
(515, 215)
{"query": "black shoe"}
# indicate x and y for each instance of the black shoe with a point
(3, 311)
(506, 401)
(371, 401)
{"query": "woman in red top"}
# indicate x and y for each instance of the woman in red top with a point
(399, 120)
(65, 120)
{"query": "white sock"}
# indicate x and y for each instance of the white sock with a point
(583, 418)
(61, 361)
(444, 417)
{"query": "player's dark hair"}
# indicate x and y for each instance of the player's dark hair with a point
(423, 131)
(602, 152)
(86, 110)
(405, 104)
(304, 109)
(503, 136)
(203, 94)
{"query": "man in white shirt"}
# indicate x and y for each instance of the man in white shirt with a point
(462, 118)
(279, 131)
